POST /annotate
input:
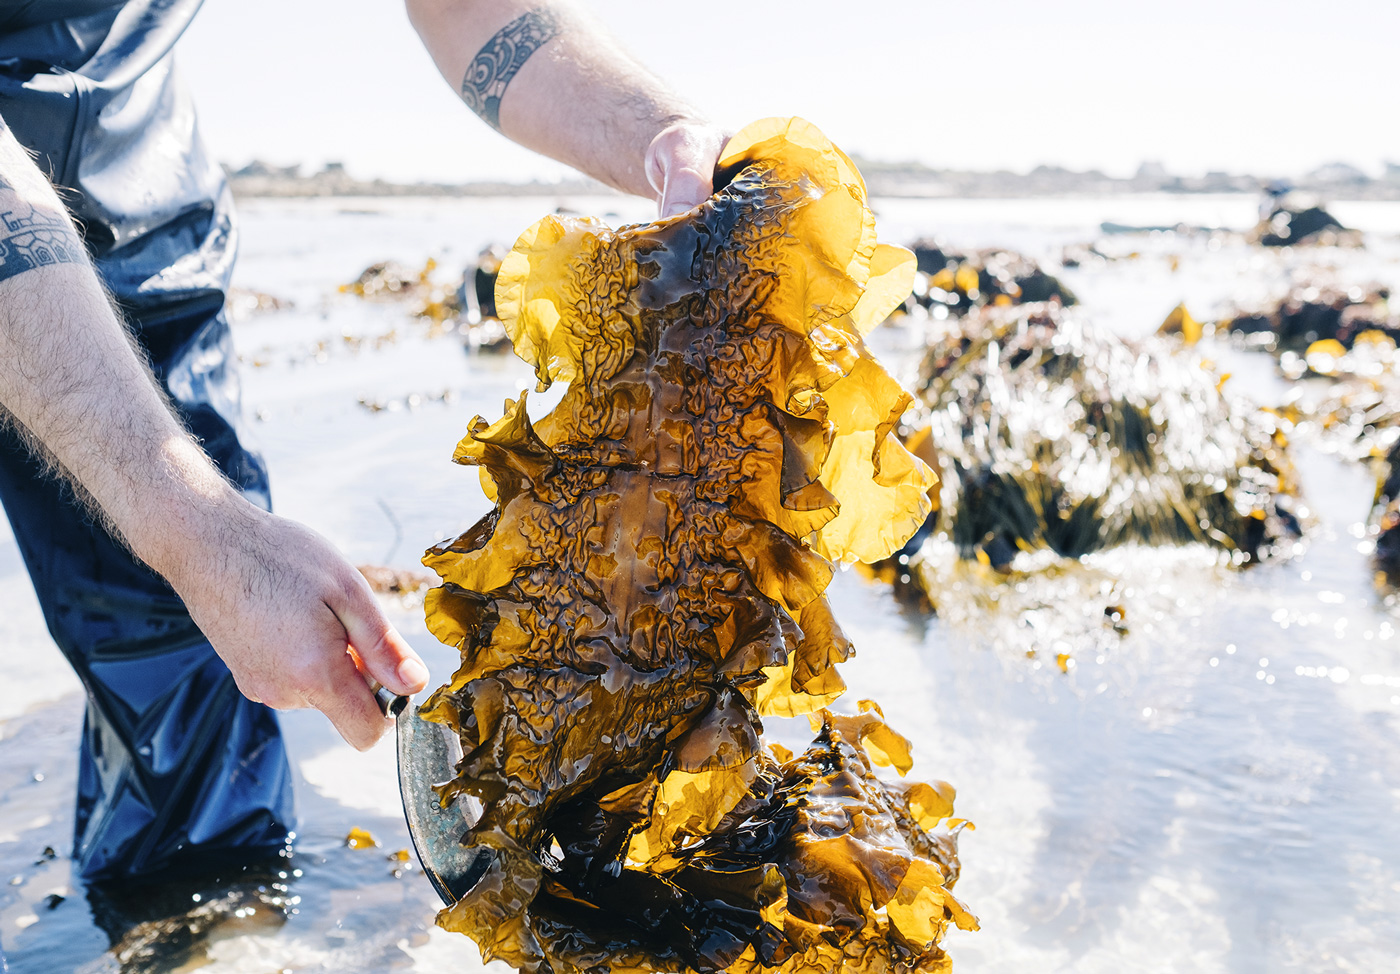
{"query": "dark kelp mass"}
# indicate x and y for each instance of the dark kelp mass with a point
(1053, 436)
(956, 282)
(650, 584)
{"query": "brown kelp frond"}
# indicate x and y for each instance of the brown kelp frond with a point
(651, 583)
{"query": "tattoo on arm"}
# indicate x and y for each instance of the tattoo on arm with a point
(31, 238)
(496, 64)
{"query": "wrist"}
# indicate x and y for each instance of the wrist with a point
(188, 518)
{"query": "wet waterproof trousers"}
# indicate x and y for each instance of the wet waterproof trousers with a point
(178, 771)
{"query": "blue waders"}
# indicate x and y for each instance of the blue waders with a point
(178, 771)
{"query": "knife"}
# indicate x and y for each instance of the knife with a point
(428, 754)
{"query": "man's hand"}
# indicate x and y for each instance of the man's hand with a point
(680, 165)
(282, 607)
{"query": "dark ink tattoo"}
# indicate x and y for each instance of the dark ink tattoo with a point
(30, 238)
(495, 64)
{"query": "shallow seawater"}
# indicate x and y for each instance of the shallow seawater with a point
(1216, 790)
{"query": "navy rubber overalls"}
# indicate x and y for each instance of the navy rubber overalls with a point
(178, 771)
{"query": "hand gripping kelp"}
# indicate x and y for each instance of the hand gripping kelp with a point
(650, 584)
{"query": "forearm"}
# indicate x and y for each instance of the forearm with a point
(69, 375)
(276, 601)
(565, 88)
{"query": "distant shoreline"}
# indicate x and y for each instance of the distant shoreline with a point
(886, 181)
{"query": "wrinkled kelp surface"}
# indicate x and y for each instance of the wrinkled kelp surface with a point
(650, 585)
(1053, 436)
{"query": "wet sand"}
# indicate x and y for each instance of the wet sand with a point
(1217, 792)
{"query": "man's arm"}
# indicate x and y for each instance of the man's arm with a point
(548, 77)
(277, 602)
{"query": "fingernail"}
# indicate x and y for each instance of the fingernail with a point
(674, 209)
(413, 675)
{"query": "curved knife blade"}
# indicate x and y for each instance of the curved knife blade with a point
(428, 754)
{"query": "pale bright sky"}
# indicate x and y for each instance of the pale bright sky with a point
(1265, 86)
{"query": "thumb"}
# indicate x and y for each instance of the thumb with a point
(680, 163)
(684, 189)
(383, 653)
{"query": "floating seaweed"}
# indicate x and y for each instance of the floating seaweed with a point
(242, 303)
(959, 281)
(650, 585)
(389, 279)
(401, 582)
(440, 305)
(1052, 436)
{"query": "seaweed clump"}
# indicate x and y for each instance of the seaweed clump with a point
(650, 585)
(1388, 518)
(1351, 406)
(1295, 218)
(1312, 312)
(1053, 436)
(957, 282)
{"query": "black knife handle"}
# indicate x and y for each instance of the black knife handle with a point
(391, 704)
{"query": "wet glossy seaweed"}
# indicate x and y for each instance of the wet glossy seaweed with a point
(1053, 436)
(650, 584)
(1356, 413)
(956, 282)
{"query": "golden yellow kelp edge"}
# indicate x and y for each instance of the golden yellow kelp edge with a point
(650, 584)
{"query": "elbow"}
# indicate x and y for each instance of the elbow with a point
(424, 15)
(420, 13)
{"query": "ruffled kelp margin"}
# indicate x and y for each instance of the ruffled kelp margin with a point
(650, 585)
(1052, 436)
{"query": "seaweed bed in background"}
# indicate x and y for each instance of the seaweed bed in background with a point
(1341, 338)
(956, 282)
(643, 593)
(1350, 404)
(1050, 435)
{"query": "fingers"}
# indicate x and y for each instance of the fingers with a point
(685, 189)
(347, 701)
(385, 654)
